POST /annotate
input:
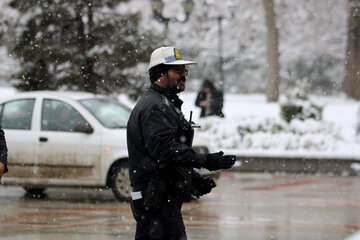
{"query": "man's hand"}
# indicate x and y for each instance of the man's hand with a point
(216, 161)
(203, 104)
(201, 186)
(2, 169)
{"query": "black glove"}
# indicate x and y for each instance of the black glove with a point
(201, 186)
(216, 161)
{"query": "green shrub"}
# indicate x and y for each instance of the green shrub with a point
(298, 105)
(290, 111)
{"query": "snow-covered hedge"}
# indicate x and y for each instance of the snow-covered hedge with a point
(299, 126)
(270, 133)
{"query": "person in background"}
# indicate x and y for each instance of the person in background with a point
(210, 100)
(161, 160)
(3, 154)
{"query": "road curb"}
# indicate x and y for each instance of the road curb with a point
(342, 167)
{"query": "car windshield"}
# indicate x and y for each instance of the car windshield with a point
(109, 112)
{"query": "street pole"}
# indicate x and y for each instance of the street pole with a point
(221, 62)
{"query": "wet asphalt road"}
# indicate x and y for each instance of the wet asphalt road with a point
(243, 206)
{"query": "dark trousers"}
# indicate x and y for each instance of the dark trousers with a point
(166, 223)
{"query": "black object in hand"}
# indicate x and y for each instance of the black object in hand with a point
(201, 186)
(216, 161)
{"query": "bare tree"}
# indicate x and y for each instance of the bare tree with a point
(272, 68)
(351, 84)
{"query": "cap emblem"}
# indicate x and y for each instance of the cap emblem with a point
(177, 53)
(174, 57)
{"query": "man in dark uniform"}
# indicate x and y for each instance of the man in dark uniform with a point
(161, 159)
(3, 154)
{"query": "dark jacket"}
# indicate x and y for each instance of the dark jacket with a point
(159, 139)
(3, 149)
(216, 103)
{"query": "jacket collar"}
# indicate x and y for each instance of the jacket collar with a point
(170, 96)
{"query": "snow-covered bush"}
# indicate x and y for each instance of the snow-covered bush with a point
(261, 128)
(276, 134)
(269, 133)
(298, 105)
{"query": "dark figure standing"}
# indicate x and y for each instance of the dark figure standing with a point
(210, 100)
(3, 154)
(161, 159)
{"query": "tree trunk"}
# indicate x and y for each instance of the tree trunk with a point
(351, 84)
(272, 68)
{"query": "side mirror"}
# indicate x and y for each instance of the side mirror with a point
(84, 128)
(89, 130)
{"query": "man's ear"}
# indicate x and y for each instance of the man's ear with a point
(161, 81)
(163, 77)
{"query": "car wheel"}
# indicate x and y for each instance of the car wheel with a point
(119, 182)
(33, 192)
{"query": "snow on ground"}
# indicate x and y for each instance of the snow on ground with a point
(254, 127)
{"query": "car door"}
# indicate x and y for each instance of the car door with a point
(66, 153)
(17, 122)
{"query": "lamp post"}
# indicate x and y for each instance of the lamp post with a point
(158, 6)
(221, 60)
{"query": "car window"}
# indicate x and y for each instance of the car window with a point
(59, 116)
(17, 114)
(109, 112)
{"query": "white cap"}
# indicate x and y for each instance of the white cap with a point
(167, 56)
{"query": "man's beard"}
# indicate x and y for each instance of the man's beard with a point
(177, 88)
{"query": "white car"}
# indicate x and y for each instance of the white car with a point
(67, 139)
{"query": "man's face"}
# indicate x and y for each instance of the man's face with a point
(176, 78)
